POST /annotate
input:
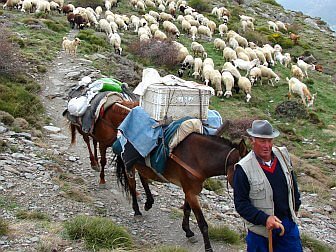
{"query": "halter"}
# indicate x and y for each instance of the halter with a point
(226, 160)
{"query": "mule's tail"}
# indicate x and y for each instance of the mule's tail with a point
(121, 174)
(73, 133)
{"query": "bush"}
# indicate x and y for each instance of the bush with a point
(200, 5)
(91, 42)
(152, 50)
(277, 38)
(256, 37)
(98, 233)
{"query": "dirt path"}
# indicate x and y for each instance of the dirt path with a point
(157, 226)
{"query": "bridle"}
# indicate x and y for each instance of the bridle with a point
(226, 160)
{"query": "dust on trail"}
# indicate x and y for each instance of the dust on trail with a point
(158, 226)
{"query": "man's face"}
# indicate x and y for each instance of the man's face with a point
(262, 147)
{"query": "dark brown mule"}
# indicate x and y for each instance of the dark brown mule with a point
(104, 133)
(197, 158)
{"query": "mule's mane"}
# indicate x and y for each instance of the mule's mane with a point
(220, 140)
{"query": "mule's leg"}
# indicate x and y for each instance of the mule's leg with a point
(149, 196)
(95, 144)
(102, 150)
(202, 224)
(132, 188)
(185, 222)
(94, 163)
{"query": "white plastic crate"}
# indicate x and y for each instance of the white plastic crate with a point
(176, 101)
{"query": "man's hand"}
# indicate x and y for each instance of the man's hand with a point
(272, 222)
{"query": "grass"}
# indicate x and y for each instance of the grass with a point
(98, 233)
(314, 245)
(32, 215)
(176, 213)
(4, 227)
(8, 203)
(223, 233)
(169, 249)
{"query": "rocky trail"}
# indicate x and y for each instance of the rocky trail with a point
(36, 170)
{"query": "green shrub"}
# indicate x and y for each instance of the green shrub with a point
(91, 42)
(55, 26)
(3, 227)
(213, 184)
(314, 245)
(256, 37)
(277, 38)
(272, 2)
(223, 233)
(98, 233)
(32, 215)
(200, 5)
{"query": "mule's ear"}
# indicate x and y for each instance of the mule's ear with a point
(242, 148)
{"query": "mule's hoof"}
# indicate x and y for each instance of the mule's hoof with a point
(95, 168)
(192, 239)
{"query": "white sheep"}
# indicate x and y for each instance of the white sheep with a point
(150, 3)
(212, 26)
(166, 17)
(234, 71)
(281, 25)
(193, 32)
(228, 80)
(198, 64)
(241, 41)
(186, 26)
(297, 72)
(154, 14)
(43, 6)
(27, 6)
(261, 56)
(219, 44)
(209, 61)
(245, 65)
(141, 6)
(233, 43)
(154, 28)
(251, 54)
(171, 28)
(305, 66)
(272, 26)
(198, 49)
(115, 41)
(245, 85)
(222, 28)
(98, 11)
(297, 87)
(159, 35)
(216, 80)
(204, 30)
(229, 54)
(105, 27)
(255, 75)
(269, 74)
(206, 73)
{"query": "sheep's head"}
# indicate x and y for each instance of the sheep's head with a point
(311, 101)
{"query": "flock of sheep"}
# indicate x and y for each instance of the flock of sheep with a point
(161, 22)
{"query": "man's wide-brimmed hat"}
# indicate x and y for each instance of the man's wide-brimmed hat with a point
(262, 129)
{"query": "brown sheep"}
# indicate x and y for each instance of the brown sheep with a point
(294, 37)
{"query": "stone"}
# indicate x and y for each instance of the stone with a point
(52, 129)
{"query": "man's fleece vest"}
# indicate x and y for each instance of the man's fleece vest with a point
(261, 194)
